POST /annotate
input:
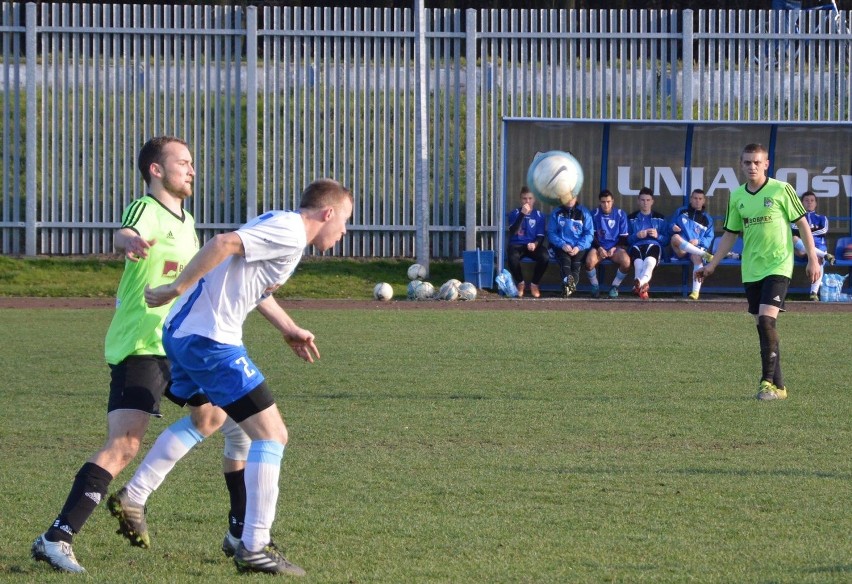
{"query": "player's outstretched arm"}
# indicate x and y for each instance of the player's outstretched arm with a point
(131, 244)
(211, 255)
(300, 340)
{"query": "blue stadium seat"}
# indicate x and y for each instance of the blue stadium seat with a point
(840, 247)
(737, 249)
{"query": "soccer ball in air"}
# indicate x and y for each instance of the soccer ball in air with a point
(383, 291)
(416, 272)
(555, 177)
(467, 291)
(420, 290)
(449, 290)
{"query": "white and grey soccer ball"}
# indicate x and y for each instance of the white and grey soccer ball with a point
(416, 272)
(467, 291)
(449, 290)
(420, 290)
(383, 291)
(555, 177)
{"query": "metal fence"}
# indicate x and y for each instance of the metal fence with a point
(269, 99)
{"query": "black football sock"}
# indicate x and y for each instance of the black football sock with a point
(778, 379)
(88, 490)
(237, 490)
(768, 346)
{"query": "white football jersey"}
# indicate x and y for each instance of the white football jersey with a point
(217, 306)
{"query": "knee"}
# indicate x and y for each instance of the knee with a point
(283, 435)
(122, 449)
(766, 323)
(237, 442)
(207, 419)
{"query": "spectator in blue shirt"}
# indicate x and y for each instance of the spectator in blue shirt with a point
(691, 230)
(526, 239)
(819, 228)
(609, 243)
(648, 236)
(570, 232)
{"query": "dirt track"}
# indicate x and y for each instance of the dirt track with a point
(485, 302)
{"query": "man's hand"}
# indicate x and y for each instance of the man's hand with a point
(302, 343)
(137, 248)
(703, 272)
(526, 208)
(813, 270)
(160, 295)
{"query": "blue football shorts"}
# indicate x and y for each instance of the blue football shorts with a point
(224, 373)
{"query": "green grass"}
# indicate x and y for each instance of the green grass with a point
(473, 446)
(318, 277)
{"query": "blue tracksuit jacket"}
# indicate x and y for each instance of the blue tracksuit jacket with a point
(638, 222)
(524, 229)
(694, 224)
(572, 226)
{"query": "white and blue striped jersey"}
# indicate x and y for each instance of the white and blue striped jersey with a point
(217, 305)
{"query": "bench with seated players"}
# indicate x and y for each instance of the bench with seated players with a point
(842, 254)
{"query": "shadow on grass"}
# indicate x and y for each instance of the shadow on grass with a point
(841, 569)
(600, 470)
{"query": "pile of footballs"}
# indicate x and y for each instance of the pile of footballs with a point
(420, 289)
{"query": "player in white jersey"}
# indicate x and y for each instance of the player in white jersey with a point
(233, 274)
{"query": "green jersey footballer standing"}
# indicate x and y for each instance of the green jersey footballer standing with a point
(761, 211)
(157, 238)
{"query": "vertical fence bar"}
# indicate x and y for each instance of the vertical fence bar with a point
(687, 84)
(251, 112)
(32, 136)
(471, 192)
(421, 160)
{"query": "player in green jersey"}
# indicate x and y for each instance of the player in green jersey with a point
(157, 237)
(761, 211)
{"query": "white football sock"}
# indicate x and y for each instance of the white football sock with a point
(638, 268)
(171, 445)
(800, 246)
(648, 270)
(262, 470)
(696, 285)
(690, 249)
(593, 277)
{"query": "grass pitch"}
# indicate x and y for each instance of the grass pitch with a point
(472, 446)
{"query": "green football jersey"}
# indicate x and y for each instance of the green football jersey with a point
(763, 218)
(137, 329)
